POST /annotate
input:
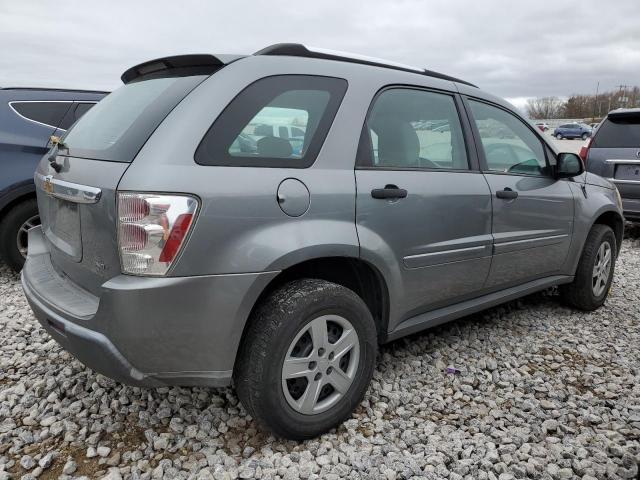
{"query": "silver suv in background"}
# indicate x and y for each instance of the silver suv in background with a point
(169, 254)
(614, 153)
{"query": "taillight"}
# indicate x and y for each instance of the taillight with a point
(152, 229)
(584, 151)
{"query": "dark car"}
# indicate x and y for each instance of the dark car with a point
(573, 130)
(614, 153)
(28, 117)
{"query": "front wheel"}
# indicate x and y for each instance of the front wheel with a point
(585, 136)
(594, 274)
(306, 359)
(559, 136)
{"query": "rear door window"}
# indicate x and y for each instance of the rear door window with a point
(49, 114)
(411, 128)
(118, 126)
(254, 129)
(618, 133)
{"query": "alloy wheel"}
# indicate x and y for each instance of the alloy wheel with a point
(601, 269)
(320, 364)
(23, 234)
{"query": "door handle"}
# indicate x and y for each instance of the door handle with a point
(507, 194)
(389, 191)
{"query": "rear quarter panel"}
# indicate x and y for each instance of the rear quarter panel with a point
(22, 144)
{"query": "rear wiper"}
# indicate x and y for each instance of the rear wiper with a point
(57, 145)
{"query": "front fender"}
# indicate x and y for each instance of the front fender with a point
(598, 201)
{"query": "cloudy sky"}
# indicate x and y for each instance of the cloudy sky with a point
(510, 48)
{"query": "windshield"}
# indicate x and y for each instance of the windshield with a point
(119, 125)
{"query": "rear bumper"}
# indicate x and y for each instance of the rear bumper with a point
(145, 331)
(631, 207)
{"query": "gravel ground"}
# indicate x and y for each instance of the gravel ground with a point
(542, 392)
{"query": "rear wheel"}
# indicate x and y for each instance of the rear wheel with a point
(14, 230)
(306, 358)
(594, 275)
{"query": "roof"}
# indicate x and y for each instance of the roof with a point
(299, 50)
(45, 89)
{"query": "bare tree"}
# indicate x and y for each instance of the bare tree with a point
(544, 107)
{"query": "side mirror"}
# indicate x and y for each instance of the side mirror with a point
(569, 165)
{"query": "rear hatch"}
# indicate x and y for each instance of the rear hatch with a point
(614, 152)
(77, 181)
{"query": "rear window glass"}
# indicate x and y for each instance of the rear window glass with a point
(119, 125)
(621, 133)
(47, 113)
(278, 121)
(74, 114)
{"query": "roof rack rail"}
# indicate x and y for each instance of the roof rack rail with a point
(203, 63)
(50, 89)
(300, 50)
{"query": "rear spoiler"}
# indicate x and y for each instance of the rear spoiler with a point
(179, 65)
(625, 114)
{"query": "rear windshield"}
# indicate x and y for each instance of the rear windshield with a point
(618, 133)
(119, 125)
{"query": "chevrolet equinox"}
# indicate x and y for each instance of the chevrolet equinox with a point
(269, 220)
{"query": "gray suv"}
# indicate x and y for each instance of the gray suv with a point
(614, 153)
(171, 255)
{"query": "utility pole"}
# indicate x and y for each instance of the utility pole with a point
(595, 103)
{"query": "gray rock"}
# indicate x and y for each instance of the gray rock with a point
(27, 462)
(113, 474)
(69, 467)
(103, 451)
(46, 461)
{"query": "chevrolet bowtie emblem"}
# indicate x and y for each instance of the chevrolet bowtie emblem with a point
(47, 185)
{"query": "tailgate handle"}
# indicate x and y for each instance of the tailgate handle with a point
(71, 192)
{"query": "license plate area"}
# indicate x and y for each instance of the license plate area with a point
(628, 172)
(62, 226)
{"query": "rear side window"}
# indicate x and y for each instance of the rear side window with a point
(278, 121)
(118, 126)
(47, 113)
(618, 133)
(411, 128)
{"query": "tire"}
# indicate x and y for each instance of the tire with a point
(283, 318)
(581, 293)
(559, 136)
(11, 225)
(585, 136)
